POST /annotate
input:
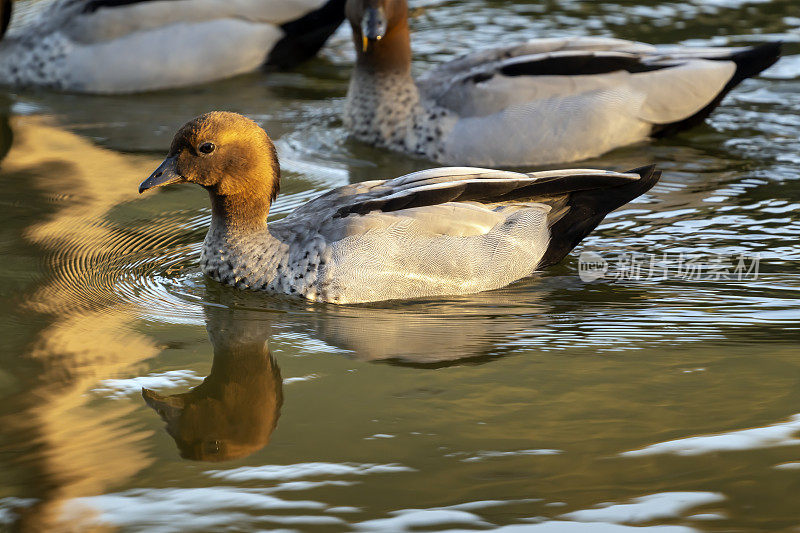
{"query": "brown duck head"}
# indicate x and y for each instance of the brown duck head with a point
(231, 157)
(380, 33)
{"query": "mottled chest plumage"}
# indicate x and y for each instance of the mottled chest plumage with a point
(386, 110)
(39, 61)
(265, 261)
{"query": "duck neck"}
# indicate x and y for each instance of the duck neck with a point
(391, 55)
(239, 213)
(382, 97)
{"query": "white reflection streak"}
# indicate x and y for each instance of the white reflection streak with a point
(171, 379)
(197, 509)
(301, 470)
(780, 434)
(646, 508)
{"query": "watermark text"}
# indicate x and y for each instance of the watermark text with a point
(691, 267)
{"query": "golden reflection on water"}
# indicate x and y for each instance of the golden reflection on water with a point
(72, 451)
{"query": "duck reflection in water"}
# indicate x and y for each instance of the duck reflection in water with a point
(234, 411)
(424, 333)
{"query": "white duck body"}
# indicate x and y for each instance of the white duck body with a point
(547, 100)
(444, 231)
(107, 46)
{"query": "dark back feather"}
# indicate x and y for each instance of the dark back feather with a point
(487, 191)
(576, 64)
(6, 7)
(93, 5)
(585, 209)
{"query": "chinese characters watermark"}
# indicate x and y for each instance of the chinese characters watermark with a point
(692, 267)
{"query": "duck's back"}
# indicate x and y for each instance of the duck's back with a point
(551, 100)
(443, 231)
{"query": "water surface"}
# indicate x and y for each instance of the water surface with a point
(552, 405)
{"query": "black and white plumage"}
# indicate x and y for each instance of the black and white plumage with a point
(442, 231)
(124, 46)
(543, 101)
(445, 231)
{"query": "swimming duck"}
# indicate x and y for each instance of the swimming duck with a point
(442, 231)
(124, 46)
(543, 101)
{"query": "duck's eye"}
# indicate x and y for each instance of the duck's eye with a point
(206, 147)
(212, 447)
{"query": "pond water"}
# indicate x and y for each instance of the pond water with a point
(551, 405)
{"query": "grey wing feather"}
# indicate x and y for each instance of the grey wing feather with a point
(437, 80)
(471, 229)
(676, 82)
(485, 188)
(455, 230)
(453, 184)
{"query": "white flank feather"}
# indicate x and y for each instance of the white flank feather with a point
(145, 45)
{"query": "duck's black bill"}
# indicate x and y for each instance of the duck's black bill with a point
(373, 26)
(165, 174)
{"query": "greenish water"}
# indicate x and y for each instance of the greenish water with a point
(552, 405)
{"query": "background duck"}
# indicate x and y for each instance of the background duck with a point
(123, 46)
(442, 231)
(543, 101)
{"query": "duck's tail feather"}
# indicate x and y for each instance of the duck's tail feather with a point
(576, 214)
(749, 61)
(6, 7)
(305, 36)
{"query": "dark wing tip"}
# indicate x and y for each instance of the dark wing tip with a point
(755, 59)
(588, 208)
(6, 7)
(643, 171)
(648, 177)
